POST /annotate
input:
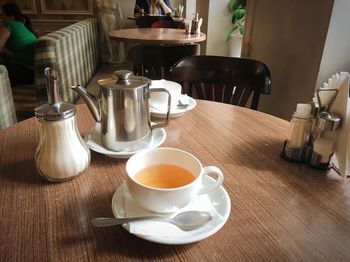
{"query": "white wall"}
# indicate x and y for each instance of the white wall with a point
(336, 54)
(190, 8)
(219, 23)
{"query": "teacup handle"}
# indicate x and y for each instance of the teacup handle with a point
(165, 123)
(220, 179)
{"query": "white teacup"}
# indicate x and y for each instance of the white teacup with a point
(159, 100)
(162, 199)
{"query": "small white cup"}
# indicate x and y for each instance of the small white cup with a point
(166, 200)
(159, 100)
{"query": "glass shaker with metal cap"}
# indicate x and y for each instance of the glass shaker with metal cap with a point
(61, 153)
(323, 139)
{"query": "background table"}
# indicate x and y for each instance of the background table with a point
(168, 36)
(280, 210)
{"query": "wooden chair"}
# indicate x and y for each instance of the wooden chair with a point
(166, 24)
(7, 108)
(146, 21)
(155, 62)
(223, 79)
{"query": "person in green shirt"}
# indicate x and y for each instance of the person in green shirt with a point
(17, 41)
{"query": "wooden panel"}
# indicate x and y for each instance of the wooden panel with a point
(290, 40)
(67, 7)
(27, 6)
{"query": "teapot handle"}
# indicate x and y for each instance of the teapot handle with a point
(165, 123)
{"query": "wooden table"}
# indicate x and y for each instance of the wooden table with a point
(280, 210)
(156, 36)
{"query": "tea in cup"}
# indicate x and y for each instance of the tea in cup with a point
(164, 180)
(159, 100)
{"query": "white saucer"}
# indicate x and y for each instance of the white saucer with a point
(93, 140)
(218, 204)
(174, 112)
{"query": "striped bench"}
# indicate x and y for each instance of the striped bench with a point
(73, 51)
(7, 109)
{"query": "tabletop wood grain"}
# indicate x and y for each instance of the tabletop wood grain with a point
(280, 211)
(169, 36)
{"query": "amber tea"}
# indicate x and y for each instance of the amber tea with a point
(164, 176)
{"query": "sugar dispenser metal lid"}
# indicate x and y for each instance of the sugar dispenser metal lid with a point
(55, 109)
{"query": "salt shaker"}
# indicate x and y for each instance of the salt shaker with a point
(298, 134)
(322, 141)
(61, 153)
(196, 25)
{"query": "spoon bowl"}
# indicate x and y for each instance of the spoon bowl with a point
(186, 221)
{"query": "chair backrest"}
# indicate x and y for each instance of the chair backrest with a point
(223, 79)
(148, 20)
(166, 24)
(155, 62)
(7, 108)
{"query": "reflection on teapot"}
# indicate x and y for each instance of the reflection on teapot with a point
(122, 108)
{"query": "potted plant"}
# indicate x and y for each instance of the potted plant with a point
(235, 35)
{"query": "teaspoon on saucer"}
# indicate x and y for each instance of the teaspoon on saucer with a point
(186, 221)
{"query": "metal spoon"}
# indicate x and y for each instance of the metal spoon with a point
(186, 221)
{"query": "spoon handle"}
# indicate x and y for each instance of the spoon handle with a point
(106, 222)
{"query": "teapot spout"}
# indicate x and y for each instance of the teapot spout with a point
(90, 101)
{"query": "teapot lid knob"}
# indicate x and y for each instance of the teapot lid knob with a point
(123, 74)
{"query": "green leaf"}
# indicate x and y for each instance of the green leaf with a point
(239, 13)
(233, 5)
(228, 35)
(241, 30)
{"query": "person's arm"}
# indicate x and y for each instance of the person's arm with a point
(139, 7)
(166, 9)
(4, 36)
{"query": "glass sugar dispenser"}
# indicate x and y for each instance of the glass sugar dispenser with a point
(61, 154)
(322, 140)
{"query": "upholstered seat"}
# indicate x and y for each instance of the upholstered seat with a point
(7, 109)
(73, 52)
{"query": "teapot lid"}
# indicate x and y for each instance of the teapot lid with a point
(55, 109)
(125, 79)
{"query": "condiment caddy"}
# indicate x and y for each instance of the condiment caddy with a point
(314, 129)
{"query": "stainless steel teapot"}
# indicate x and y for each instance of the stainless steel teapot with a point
(122, 108)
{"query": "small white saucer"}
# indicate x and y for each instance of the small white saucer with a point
(174, 112)
(93, 140)
(216, 202)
